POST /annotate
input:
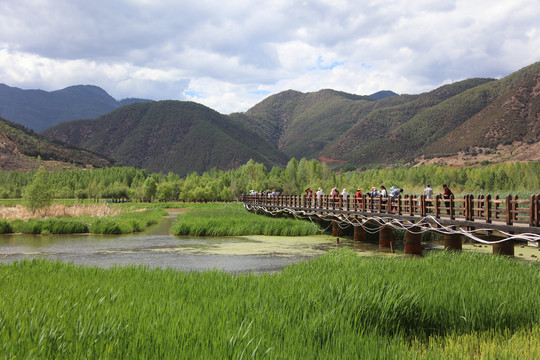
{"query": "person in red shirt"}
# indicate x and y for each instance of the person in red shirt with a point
(359, 195)
(447, 194)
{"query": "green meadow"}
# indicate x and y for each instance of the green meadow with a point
(342, 306)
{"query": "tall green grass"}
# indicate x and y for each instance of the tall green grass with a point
(234, 220)
(50, 226)
(447, 305)
(127, 222)
(5, 227)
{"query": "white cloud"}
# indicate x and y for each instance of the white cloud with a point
(230, 55)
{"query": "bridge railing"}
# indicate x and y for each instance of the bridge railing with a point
(510, 210)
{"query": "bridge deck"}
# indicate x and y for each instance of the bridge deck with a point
(511, 214)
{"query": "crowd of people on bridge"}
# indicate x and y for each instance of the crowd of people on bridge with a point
(381, 192)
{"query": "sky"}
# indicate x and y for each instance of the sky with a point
(231, 54)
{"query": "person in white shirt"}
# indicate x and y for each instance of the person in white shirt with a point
(319, 194)
(428, 191)
(344, 195)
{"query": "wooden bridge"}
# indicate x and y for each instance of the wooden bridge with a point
(498, 221)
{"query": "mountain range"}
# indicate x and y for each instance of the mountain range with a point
(39, 109)
(178, 136)
(467, 122)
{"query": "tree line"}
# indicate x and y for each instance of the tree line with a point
(123, 183)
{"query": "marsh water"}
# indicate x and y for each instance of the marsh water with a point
(157, 248)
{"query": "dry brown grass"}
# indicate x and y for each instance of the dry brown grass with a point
(57, 210)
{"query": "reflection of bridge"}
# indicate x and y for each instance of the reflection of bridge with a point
(497, 221)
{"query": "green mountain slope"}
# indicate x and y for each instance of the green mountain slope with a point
(393, 134)
(301, 124)
(38, 109)
(22, 149)
(169, 136)
(512, 116)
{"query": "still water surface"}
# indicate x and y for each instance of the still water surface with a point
(157, 248)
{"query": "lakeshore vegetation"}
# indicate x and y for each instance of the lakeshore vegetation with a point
(445, 305)
(122, 183)
(99, 220)
(234, 220)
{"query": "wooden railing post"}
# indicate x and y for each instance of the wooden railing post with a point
(487, 206)
(515, 207)
(452, 212)
(509, 210)
(532, 210)
(422, 205)
(399, 205)
(437, 206)
(496, 207)
(364, 202)
(537, 216)
(466, 208)
(412, 201)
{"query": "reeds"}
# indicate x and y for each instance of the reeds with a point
(97, 219)
(57, 211)
(234, 220)
(446, 305)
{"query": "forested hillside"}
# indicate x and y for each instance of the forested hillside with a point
(22, 149)
(496, 118)
(474, 121)
(169, 136)
(219, 185)
(38, 109)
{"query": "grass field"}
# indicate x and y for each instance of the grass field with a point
(446, 305)
(233, 220)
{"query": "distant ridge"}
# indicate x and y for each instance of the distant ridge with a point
(22, 149)
(379, 95)
(473, 121)
(176, 136)
(39, 109)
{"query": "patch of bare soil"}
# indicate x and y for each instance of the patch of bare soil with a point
(517, 151)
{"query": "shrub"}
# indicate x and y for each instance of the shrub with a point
(5, 227)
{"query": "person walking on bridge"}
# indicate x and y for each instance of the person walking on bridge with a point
(319, 196)
(447, 194)
(334, 193)
(428, 193)
(359, 195)
(344, 196)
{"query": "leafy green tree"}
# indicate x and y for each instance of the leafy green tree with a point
(38, 194)
(149, 189)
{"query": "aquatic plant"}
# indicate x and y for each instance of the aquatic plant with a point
(127, 222)
(233, 220)
(446, 305)
(5, 227)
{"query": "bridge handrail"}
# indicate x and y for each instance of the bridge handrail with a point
(510, 209)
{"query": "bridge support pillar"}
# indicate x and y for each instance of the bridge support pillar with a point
(504, 248)
(336, 230)
(413, 242)
(359, 233)
(386, 239)
(452, 242)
